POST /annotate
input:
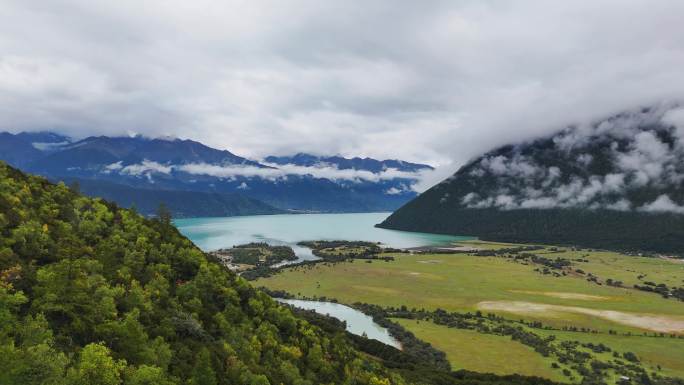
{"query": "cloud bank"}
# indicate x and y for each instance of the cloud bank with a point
(637, 152)
(438, 83)
(147, 168)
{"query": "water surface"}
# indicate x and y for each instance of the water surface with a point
(288, 229)
(357, 322)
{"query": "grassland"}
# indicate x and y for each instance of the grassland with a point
(515, 289)
(463, 282)
(464, 350)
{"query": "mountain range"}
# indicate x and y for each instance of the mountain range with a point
(615, 183)
(131, 170)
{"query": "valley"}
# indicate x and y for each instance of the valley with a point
(571, 303)
(341, 193)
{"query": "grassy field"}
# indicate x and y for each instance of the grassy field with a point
(463, 282)
(464, 351)
(516, 290)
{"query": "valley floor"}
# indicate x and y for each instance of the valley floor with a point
(585, 296)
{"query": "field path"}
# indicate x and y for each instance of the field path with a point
(654, 322)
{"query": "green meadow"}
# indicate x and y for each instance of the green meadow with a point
(622, 318)
(463, 282)
(464, 350)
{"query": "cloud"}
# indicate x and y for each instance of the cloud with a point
(637, 149)
(331, 172)
(662, 204)
(145, 168)
(438, 84)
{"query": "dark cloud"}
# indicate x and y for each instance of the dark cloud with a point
(426, 81)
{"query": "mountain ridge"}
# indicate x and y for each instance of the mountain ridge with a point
(345, 185)
(616, 183)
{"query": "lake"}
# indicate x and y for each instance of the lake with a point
(288, 229)
(357, 322)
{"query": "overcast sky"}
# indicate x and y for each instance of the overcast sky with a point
(427, 81)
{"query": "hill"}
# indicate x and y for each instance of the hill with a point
(616, 183)
(94, 294)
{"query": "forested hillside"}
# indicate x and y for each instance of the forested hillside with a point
(616, 183)
(94, 294)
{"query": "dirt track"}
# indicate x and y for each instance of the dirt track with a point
(654, 322)
(564, 295)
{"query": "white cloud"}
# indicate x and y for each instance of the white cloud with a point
(330, 172)
(438, 84)
(145, 168)
(662, 204)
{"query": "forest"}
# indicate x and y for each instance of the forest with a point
(94, 294)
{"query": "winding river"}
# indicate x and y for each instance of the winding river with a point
(357, 322)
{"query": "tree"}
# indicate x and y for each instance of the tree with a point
(203, 373)
(148, 375)
(96, 367)
(164, 214)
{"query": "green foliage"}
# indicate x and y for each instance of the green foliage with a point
(94, 294)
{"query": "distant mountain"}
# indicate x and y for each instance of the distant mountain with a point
(327, 184)
(341, 163)
(617, 183)
(96, 154)
(181, 203)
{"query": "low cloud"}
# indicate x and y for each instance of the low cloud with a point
(662, 204)
(274, 172)
(145, 168)
(438, 84)
(639, 149)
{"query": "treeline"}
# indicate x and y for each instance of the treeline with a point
(339, 251)
(259, 254)
(604, 229)
(662, 289)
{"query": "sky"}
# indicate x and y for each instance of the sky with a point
(430, 81)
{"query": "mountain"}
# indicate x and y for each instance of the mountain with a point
(341, 163)
(92, 155)
(94, 294)
(331, 184)
(616, 183)
(181, 203)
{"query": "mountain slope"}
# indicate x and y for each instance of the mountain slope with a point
(94, 294)
(90, 155)
(616, 183)
(331, 184)
(182, 204)
(341, 163)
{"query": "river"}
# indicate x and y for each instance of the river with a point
(357, 322)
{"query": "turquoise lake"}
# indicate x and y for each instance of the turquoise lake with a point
(215, 233)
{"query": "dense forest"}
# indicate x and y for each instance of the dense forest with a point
(94, 294)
